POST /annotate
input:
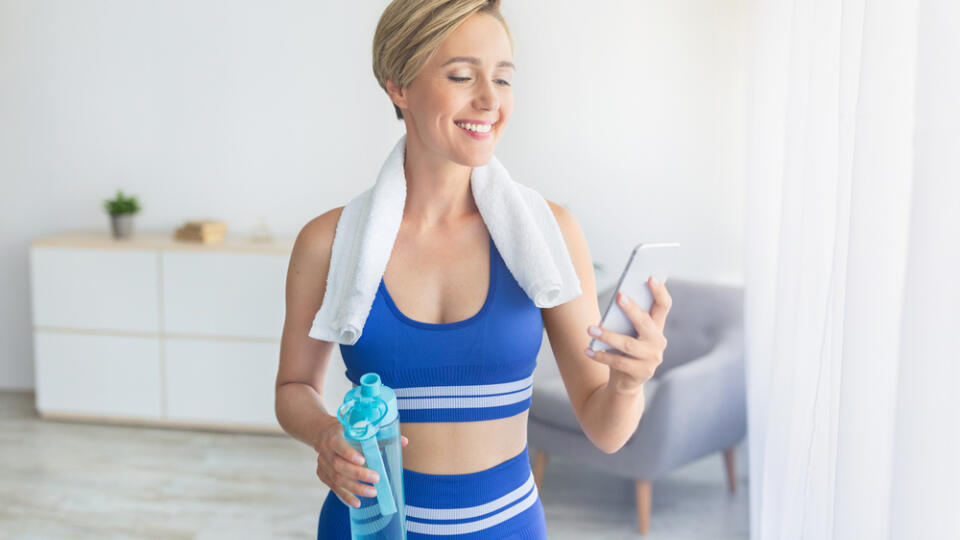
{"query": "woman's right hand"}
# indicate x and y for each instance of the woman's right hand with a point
(341, 466)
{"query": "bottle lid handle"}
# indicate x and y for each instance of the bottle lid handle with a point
(371, 451)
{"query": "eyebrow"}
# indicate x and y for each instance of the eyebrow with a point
(476, 61)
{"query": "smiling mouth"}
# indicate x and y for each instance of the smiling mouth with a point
(474, 128)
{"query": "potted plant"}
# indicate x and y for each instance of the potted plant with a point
(121, 210)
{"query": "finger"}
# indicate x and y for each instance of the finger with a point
(403, 441)
(662, 301)
(643, 367)
(642, 322)
(624, 344)
(358, 472)
(346, 498)
(358, 488)
(613, 359)
(348, 452)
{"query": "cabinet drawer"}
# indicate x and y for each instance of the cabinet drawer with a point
(97, 374)
(221, 381)
(95, 288)
(224, 294)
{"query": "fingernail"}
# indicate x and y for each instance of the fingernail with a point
(594, 330)
(588, 351)
(356, 504)
(656, 282)
(358, 459)
(623, 299)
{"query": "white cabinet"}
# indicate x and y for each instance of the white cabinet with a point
(100, 374)
(224, 294)
(95, 289)
(154, 330)
(220, 381)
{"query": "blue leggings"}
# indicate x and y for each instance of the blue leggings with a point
(501, 502)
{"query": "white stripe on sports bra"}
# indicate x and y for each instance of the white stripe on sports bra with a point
(467, 390)
(463, 402)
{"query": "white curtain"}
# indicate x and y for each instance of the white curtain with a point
(853, 269)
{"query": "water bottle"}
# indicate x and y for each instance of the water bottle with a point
(371, 425)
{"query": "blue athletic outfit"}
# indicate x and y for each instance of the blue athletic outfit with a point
(479, 368)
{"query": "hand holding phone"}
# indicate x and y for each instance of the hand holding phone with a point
(646, 259)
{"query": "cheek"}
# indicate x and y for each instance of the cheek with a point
(434, 103)
(445, 97)
(444, 106)
(506, 105)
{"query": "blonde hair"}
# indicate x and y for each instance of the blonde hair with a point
(410, 31)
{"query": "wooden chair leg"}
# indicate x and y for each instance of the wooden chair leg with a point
(539, 466)
(644, 491)
(730, 464)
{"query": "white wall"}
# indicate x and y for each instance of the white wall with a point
(629, 113)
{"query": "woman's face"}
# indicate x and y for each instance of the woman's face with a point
(467, 80)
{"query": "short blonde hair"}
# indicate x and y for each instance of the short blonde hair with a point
(410, 31)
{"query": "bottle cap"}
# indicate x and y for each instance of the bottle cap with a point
(366, 408)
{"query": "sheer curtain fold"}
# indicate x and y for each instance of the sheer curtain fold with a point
(847, 160)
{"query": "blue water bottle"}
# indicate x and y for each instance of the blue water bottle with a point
(371, 425)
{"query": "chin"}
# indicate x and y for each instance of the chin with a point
(477, 159)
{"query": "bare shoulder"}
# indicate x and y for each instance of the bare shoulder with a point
(565, 219)
(576, 242)
(310, 262)
(316, 237)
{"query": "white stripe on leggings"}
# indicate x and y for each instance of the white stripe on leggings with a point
(421, 512)
(472, 526)
(466, 512)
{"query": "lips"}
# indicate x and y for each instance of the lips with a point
(476, 135)
(474, 121)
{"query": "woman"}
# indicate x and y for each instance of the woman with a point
(447, 67)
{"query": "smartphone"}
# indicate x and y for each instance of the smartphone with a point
(646, 259)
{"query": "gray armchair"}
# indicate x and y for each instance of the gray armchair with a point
(695, 402)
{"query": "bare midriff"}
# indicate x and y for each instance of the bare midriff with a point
(462, 447)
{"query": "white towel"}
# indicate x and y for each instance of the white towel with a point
(518, 218)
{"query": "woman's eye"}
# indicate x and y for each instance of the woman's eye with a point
(461, 79)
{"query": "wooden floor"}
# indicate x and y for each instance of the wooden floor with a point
(74, 480)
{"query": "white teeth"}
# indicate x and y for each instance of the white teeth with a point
(479, 128)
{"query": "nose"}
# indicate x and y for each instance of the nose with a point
(486, 97)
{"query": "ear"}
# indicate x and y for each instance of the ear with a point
(397, 94)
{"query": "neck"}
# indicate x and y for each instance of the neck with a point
(438, 190)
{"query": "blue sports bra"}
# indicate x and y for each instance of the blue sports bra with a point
(478, 368)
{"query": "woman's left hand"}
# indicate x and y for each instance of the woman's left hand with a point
(636, 358)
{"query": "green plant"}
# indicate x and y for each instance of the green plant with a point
(121, 205)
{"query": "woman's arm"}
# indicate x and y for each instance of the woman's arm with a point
(607, 408)
(303, 366)
(304, 360)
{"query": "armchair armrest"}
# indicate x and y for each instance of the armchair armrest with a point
(699, 407)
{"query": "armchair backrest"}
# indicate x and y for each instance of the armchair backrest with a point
(702, 314)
